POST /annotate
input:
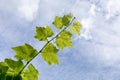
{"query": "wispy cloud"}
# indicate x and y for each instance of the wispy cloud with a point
(27, 9)
(113, 8)
(104, 32)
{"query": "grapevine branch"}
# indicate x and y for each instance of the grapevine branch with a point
(45, 46)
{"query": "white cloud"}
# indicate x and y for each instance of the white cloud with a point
(108, 37)
(102, 33)
(105, 34)
(28, 9)
(113, 7)
(88, 23)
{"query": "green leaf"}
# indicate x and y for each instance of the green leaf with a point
(30, 74)
(42, 33)
(10, 75)
(49, 54)
(66, 19)
(48, 32)
(6, 73)
(3, 67)
(59, 22)
(64, 40)
(2, 76)
(25, 52)
(15, 65)
(75, 28)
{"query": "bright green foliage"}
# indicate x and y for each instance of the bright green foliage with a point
(3, 70)
(64, 40)
(30, 74)
(25, 52)
(12, 76)
(14, 65)
(3, 67)
(49, 54)
(66, 19)
(7, 73)
(75, 28)
(59, 22)
(42, 33)
(17, 70)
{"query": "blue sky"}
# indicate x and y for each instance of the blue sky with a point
(96, 52)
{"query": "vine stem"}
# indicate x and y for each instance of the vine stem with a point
(45, 46)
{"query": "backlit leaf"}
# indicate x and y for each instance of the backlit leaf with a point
(75, 28)
(15, 65)
(60, 22)
(48, 32)
(66, 19)
(42, 33)
(25, 52)
(10, 75)
(30, 74)
(49, 54)
(64, 40)
(3, 67)
(7, 74)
